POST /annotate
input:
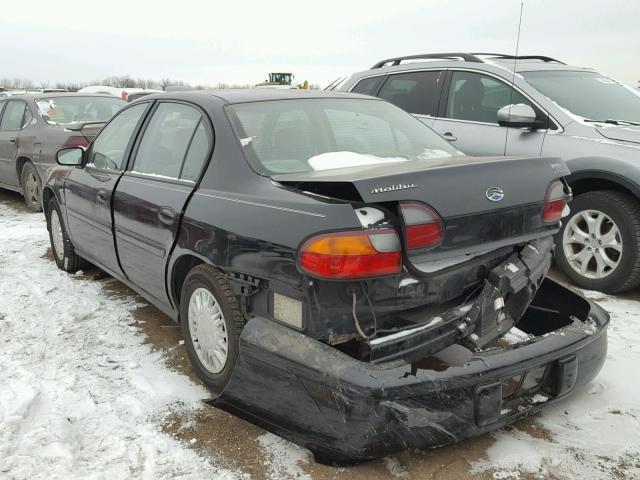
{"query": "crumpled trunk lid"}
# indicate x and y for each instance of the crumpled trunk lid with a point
(486, 203)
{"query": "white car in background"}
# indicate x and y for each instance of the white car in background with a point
(128, 94)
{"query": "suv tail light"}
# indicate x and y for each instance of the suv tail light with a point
(125, 96)
(554, 202)
(423, 227)
(76, 141)
(352, 254)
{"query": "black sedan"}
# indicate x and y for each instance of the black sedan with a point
(343, 276)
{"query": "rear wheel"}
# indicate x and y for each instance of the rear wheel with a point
(211, 325)
(61, 247)
(598, 246)
(31, 187)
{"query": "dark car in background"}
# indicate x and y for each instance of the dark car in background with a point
(496, 104)
(343, 276)
(33, 127)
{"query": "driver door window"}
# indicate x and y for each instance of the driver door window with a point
(477, 98)
(109, 148)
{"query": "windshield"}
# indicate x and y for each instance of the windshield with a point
(64, 110)
(588, 94)
(303, 135)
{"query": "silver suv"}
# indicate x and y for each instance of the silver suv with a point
(494, 104)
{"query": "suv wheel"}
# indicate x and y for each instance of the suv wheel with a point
(598, 246)
(31, 187)
(211, 325)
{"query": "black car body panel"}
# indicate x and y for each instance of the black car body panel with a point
(366, 334)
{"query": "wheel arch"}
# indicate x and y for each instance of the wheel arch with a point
(47, 195)
(179, 271)
(20, 163)
(592, 180)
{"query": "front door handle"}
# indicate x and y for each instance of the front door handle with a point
(13, 140)
(102, 196)
(166, 215)
(449, 137)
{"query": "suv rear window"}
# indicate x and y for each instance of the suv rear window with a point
(415, 92)
(319, 134)
(64, 110)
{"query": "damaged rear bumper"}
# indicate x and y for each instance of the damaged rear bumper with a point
(347, 411)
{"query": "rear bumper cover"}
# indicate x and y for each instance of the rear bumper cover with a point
(347, 411)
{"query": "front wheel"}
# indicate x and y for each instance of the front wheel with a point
(598, 246)
(31, 187)
(63, 252)
(211, 325)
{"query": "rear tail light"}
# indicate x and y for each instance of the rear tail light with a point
(554, 202)
(352, 254)
(423, 227)
(124, 96)
(76, 141)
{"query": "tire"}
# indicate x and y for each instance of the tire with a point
(205, 278)
(613, 256)
(31, 187)
(63, 253)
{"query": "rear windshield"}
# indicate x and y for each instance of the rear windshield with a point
(302, 135)
(65, 110)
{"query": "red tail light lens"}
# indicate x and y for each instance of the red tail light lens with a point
(76, 141)
(554, 202)
(124, 96)
(352, 254)
(423, 226)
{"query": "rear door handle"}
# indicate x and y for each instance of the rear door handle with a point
(13, 140)
(449, 137)
(102, 196)
(166, 215)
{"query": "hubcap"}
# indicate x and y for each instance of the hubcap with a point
(56, 235)
(592, 244)
(208, 330)
(31, 187)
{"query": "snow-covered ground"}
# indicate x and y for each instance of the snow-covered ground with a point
(82, 396)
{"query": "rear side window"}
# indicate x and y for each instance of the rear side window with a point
(166, 139)
(13, 116)
(368, 86)
(197, 154)
(415, 92)
(476, 97)
(109, 148)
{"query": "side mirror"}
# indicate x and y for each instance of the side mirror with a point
(71, 157)
(518, 116)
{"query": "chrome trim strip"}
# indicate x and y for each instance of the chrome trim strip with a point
(247, 202)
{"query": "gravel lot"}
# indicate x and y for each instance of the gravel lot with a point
(96, 386)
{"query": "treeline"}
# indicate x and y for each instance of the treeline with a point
(121, 81)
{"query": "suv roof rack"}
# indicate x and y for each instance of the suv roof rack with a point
(519, 57)
(466, 57)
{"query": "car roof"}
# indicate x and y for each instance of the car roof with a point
(243, 95)
(474, 61)
(36, 96)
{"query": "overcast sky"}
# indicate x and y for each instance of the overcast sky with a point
(239, 41)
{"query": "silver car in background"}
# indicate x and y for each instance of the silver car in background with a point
(494, 104)
(33, 127)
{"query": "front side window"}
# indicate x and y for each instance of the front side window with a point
(166, 140)
(69, 109)
(415, 92)
(109, 148)
(477, 98)
(318, 134)
(588, 94)
(13, 116)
